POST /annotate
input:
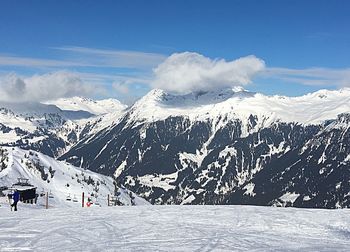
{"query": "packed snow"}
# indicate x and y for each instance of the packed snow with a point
(174, 228)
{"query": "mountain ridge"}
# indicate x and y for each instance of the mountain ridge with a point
(213, 153)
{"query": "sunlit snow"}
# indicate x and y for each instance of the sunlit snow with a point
(174, 228)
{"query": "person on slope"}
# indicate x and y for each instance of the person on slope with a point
(15, 197)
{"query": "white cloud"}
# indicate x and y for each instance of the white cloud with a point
(37, 62)
(44, 87)
(114, 58)
(311, 76)
(115, 78)
(190, 72)
(88, 57)
(121, 87)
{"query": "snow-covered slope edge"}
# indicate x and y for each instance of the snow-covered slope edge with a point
(60, 179)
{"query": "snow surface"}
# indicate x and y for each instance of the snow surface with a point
(289, 197)
(9, 137)
(175, 228)
(159, 180)
(249, 189)
(101, 121)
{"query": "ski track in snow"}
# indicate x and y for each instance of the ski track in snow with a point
(174, 228)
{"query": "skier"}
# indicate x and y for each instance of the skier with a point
(15, 197)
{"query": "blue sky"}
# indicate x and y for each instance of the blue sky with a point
(116, 44)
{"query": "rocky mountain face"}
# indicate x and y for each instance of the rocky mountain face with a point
(315, 174)
(228, 147)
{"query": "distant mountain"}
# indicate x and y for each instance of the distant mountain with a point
(96, 107)
(228, 147)
(53, 130)
(61, 180)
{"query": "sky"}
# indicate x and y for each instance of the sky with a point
(123, 49)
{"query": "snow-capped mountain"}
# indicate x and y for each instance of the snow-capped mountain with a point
(63, 181)
(96, 107)
(49, 133)
(53, 130)
(237, 103)
(228, 146)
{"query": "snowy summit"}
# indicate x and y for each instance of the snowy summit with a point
(96, 107)
(312, 108)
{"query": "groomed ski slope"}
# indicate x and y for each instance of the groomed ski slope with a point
(174, 228)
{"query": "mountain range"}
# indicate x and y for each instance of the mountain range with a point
(229, 146)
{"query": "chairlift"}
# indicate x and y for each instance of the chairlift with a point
(75, 199)
(68, 198)
(51, 195)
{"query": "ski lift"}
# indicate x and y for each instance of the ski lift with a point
(51, 195)
(68, 198)
(75, 199)
(42, 193)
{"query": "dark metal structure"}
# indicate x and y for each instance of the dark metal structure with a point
(26, 191)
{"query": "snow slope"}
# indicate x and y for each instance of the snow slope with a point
(237, 103)
(64, 181)
(97, 107)
(175, 228)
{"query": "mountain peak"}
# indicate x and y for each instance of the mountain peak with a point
(194, 98)
(155, 94)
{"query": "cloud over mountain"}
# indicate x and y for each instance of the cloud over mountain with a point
(191, 72)
(14, 88)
